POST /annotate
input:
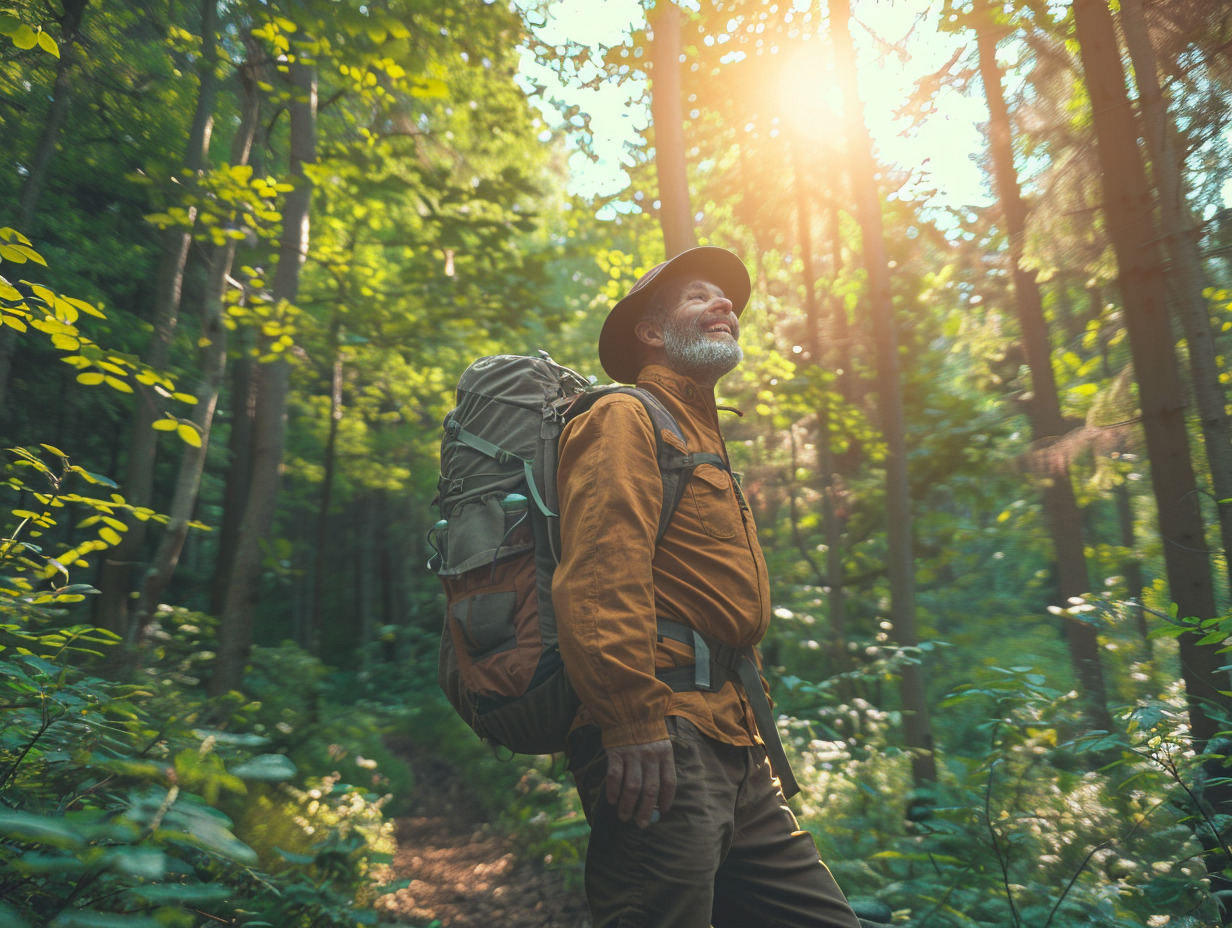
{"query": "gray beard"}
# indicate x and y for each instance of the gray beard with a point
(705, 360)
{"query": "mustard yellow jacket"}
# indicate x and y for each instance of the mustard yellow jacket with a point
(707, 572)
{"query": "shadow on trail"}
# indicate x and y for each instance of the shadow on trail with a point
(463, 873)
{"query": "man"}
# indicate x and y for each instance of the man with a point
(688, 825)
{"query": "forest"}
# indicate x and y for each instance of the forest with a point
(248, 246)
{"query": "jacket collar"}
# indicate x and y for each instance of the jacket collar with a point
(686, 389)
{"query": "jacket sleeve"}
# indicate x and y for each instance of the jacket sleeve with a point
(611, 495)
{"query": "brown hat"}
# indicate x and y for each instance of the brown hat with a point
(618, 345)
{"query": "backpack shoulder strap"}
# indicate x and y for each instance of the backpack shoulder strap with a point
(675, 466)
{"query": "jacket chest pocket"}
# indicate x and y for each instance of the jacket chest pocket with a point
(710, 492)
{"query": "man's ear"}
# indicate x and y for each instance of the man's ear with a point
(648, 334)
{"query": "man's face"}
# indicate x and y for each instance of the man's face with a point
(701, 333)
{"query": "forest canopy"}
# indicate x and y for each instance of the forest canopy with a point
(247, 248)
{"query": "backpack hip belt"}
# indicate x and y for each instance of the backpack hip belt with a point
(715, 664)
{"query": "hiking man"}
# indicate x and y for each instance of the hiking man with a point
(689, 827)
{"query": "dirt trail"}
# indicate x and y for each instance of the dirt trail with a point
(463, 873)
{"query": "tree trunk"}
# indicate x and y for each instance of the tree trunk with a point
(667, 112)
(366, 589)
(192, 460)
(1144, 294)
(239, 475)
(1044, 410)
(249, 149)
(1186, 272)
(213, 360)
(917, 724)
(269, 420)
(822, 356)
(44, 152)
(61, 95)
(385, 561)
(325, 553)
(1131, 567)
(1127, 203)
(116, 583)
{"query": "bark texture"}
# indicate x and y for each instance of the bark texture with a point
(667, 111)
(1128, 205)
(235, 632)
(1186, 274)
(917, 723)
(116, 581)
(1044, 410)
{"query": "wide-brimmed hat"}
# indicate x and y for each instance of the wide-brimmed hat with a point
(618, 345)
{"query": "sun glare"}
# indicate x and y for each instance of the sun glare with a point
(808, 96)
(897, 43)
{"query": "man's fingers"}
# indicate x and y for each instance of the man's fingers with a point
(640, 779)
(667, 780)
(648, 797)
(630, 788)
(615, 775)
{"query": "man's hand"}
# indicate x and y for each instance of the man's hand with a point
(640, 779)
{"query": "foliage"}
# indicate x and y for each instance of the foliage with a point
(441, 230)
(113, 793)
(26, 305)
(110, 807)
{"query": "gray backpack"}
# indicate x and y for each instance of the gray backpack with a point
(497, 544)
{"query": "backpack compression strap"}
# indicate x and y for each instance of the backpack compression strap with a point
(454, 429)
(716, 663)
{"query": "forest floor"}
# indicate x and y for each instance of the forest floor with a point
(463, 872)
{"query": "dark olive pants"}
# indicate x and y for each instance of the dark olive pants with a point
(728, 853)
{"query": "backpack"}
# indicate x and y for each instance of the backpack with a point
(497, 544)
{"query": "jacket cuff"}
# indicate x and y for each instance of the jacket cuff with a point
(635, 733)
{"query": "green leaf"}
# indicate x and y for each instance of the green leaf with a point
(8, 914)
(271, 768)
(209, 834)
(238, 738)
(48, 44)
(24, 37)
(189, 435)
(183, 892)
(39, 829)
(32, 863)
(80, 918)
(144, 863)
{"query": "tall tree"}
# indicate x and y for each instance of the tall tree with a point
(1044, 408)
(1128, 204)
(667, 109)
(212, 361)
(1186, 274)
(1143, 284)
(917, 724)
(238, 618)
(115, 582)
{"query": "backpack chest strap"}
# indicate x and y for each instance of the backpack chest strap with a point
(714, 665)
